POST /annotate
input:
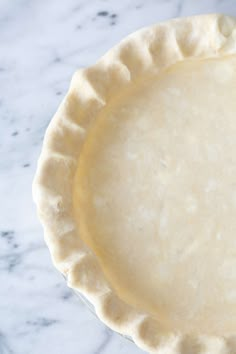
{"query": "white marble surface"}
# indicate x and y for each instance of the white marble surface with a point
(41, 44)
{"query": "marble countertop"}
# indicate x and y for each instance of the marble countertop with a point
(41, 44)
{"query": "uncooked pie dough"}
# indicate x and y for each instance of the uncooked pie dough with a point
(156, 195)
(136, 186)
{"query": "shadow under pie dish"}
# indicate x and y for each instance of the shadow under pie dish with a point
(136, 186)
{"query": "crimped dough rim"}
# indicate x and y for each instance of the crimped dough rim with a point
(147, 51)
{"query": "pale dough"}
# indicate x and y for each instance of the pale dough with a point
(155, 195)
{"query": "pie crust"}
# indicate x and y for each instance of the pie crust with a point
(136, 188)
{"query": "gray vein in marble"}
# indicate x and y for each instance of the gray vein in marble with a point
(105, 341)
(179, 8)
(10, 259)
(4, 346)
(41, 322)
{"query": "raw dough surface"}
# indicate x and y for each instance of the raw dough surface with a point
(155, 195)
